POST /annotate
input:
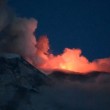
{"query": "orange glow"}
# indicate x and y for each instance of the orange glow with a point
(70, 60)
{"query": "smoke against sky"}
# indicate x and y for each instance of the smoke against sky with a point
(18, 36)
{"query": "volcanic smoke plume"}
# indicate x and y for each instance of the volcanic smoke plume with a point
(17, 36)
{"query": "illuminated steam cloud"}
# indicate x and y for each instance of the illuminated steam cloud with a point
(17, 36)
(73, 61)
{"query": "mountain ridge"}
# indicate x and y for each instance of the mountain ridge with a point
(18, 77)
(23, 87)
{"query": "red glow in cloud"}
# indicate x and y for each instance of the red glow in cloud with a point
(20, 39)
(70, 60)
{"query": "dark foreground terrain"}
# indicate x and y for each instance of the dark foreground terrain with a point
(22, 87)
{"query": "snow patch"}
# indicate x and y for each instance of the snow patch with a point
(9, 55)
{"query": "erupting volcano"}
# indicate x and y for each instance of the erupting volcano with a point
(17, 36)
(37, 51)
(71, 60)
(32, 77)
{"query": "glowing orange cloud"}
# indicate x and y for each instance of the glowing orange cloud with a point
(70, 60)
(19, 37)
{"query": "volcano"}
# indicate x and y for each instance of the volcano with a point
(17, 79)
(23, 87)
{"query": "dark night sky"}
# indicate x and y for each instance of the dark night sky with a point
(82, 24)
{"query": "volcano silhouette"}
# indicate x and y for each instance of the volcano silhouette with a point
(23, 87)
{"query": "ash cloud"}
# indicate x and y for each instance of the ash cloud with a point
(17, 35)
(20, 38)
(4, 15)
(66, 94)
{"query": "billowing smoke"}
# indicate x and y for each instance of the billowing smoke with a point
(20, 38)
(17, 35)
(73, 61)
